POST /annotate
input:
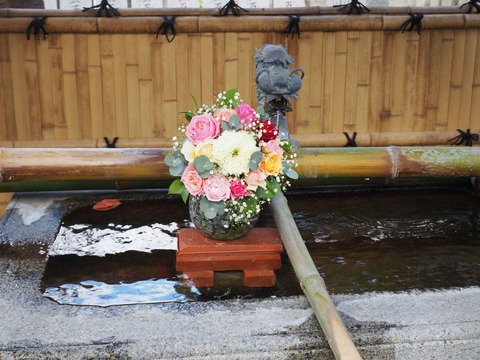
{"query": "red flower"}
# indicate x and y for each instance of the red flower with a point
(269, 131)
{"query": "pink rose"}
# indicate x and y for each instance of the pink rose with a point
(246, 114)
(224, 114)
(192, 180)
(238, 189)
(273, 146)
(255, 179)
(217, 188)
(202, 127)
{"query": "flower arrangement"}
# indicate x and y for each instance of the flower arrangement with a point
(230, 158)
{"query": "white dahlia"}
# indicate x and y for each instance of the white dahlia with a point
(232, 151)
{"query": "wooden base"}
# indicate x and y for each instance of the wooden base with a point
(257, 254)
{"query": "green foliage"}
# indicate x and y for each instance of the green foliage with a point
(273, 188)
(211, 208)
(178, 188)
(203, 165)
(287, 170)
(255, 160)
(176, 163)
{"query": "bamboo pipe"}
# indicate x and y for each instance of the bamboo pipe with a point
(364, 139)
(256, 23)
(314, 10)
(312, 283)
(313, 163)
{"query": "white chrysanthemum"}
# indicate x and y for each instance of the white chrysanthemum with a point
(232, 151)
(188, 150)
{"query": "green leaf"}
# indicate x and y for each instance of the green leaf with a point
(274, 187)
(286, 145)
(178, 188)
(211, 209)
(255, 160)
(234, 121)
(226, 126)
(195, 102)
(188, 115)
(292, 174)
(203, 165)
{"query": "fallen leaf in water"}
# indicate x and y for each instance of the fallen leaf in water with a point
(106, 204)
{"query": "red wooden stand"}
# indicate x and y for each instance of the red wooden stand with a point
(257, 254)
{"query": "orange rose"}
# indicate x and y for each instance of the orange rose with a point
(271, 164)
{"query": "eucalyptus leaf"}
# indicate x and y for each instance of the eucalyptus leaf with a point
(292, 174)
(203, 165)
(226, 126)
(234, 121)
(255, 160)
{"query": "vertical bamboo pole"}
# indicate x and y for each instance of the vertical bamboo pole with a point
(95, 85)
(151, 71)
(312, 283)
(133, 86)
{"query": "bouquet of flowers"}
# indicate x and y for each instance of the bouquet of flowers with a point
(230, 159)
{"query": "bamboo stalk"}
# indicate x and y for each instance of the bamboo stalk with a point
(245, 23)
(315, 10)
(363, 139)
(312, 283)
(313, 163)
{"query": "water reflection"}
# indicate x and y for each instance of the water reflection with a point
(360, 241)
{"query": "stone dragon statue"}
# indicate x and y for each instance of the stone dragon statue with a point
(276, 83)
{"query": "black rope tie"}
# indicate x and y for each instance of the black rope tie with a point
(464, 137)
(111, 145)
(355, 6)
(104, 8)
(351, 141)
(415, 22)
(472, 4)
(167, 28)
(37, 25)
(232, 7)
(293, 27)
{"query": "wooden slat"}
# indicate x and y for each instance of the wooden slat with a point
(469, 62)
(303, 122)
(169, 64)
(70, 86)
(431, 104)
(456, 79)
(446, 57)
(328, 84)
(410, 76)
(339, 81)
(8, 124)
(245, 65)
(475, 104)
(95, 86)
(108, 86)
(194, 63)
(314, 81)
(120, 79)
(83, 93)
(16, 47)
(33, 93)
(351, 81)
(184, 102)
(363, 81)
(231, 62)
(150, 78)
(219, 75)
(419, 111)
(375, 103)
(397, 107)
(206, 67)
(133, 86)
(387, 81)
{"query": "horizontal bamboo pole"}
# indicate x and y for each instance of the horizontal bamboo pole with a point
(312, 283)
(148, 164)
(314, 10)
(425, 138)
(251, 23)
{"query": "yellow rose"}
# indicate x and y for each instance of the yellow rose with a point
(271, 164)
(205, 148)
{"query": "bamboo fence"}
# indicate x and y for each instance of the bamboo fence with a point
(111, 77)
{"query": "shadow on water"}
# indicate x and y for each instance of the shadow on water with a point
(391, 240)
